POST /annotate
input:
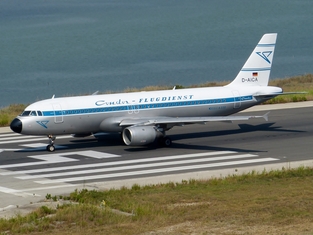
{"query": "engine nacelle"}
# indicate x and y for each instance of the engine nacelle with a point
(139, 135)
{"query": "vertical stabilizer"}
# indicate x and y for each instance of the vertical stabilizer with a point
(256, 71)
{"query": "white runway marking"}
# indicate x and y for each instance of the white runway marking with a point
(23, 192)
(17, 137)
(129, 167)
(8, 150)
(35, 145)
(110, 164)
(23, 139)
(59, 158)
(15, 192)
(75, 170)
(163, 170)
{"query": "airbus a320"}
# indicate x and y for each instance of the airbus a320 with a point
(143, 118)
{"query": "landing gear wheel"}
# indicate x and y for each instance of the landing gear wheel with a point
(167, 142)
(50, 148)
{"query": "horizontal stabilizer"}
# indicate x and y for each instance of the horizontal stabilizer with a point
(264, 95)
(293, 93)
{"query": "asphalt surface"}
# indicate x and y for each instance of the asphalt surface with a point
(28, 172)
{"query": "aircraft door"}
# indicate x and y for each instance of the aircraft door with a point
(58, 113)
(237, 99)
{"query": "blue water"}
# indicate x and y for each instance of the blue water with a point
(78, 47)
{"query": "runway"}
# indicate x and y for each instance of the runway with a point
(28, 173)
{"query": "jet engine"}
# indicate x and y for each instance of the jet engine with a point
(139, 135)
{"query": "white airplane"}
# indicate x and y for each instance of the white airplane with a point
(144, 117)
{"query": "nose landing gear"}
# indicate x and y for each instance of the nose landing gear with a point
(50, 147)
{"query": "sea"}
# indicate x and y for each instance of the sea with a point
(78, 47)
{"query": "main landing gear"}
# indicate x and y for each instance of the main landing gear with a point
(165, 141)
(50, 147)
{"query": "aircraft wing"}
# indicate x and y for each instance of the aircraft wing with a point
(179, 121)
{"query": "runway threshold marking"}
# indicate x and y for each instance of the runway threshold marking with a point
(163, 170)
(136, 167)
(60, 158)
(114, 163)
(140, 166)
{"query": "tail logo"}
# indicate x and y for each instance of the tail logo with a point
(264, 55)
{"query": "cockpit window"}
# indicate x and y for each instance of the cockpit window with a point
(25, 113)
(33, 113)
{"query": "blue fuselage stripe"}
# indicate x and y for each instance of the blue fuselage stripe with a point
(149, 106)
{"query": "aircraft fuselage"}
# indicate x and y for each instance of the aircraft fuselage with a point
(103, 113)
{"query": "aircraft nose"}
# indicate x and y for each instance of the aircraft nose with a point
(16, 125)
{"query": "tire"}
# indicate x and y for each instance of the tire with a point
(167, 142)
(50, 148)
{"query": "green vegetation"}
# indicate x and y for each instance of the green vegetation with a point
(275, 202)
(297, 83)
(9, 113)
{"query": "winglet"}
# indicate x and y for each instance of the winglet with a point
(265, 116)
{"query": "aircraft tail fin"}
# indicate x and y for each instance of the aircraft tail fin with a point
(256, 70)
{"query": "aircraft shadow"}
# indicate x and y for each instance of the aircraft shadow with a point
(115, 140)
(243, 128)
(192, 147)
